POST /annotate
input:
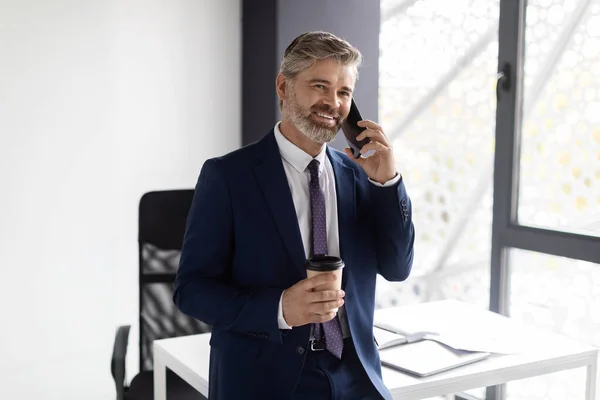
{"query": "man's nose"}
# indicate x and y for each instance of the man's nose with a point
(332, 101)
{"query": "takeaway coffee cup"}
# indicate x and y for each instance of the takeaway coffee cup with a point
(323, 264)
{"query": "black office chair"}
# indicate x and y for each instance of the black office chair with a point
(162, 219)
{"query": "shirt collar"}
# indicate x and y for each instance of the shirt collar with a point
(294, 155)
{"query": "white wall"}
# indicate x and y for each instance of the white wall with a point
(100, 101)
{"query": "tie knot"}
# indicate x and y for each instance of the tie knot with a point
(313, 167)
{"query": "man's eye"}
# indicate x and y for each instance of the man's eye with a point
(320, 86)
(345, 94)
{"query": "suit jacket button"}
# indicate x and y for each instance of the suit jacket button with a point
(300, 350)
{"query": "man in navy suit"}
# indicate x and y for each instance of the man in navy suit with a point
(258, 214)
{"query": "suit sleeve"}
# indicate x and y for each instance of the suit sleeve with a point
(203, 287)
(395, 234)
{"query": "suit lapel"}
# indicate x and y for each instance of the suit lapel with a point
(273, 182)
(345, 188)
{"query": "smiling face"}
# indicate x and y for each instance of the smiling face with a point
(318, 99)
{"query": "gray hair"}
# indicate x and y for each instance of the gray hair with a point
(309, 47)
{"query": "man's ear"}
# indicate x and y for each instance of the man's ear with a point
(281, 86)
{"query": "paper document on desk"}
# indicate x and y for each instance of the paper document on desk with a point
(386, 338)
(472, 342)
(458, 339)
(389, 332)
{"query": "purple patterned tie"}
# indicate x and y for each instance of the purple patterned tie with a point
(332, 331)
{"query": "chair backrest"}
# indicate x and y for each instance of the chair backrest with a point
(162, 220)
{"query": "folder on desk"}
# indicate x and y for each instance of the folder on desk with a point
(427, 357)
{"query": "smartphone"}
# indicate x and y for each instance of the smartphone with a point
(352, 130)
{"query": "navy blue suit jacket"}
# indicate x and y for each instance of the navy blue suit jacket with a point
(242, 248)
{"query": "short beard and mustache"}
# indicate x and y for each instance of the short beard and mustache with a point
(302, 120)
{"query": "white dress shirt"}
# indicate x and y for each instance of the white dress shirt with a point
(295, 163)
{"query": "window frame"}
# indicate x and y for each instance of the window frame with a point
(507, 233)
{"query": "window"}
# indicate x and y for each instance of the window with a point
(560, 150)
(438, 63)
(506, 185)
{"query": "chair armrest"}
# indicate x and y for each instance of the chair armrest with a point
(117, 365)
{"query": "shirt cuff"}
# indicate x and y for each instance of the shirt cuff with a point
(391, 182)
(280, 320)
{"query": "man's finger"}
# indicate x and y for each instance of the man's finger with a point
(349, 153)
(329, 306)
(378, 147)
(374, 135)
(319, 318)
(318, 280)
(367, 123)
(325, 295)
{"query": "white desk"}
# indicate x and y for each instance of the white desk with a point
(544, 353)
